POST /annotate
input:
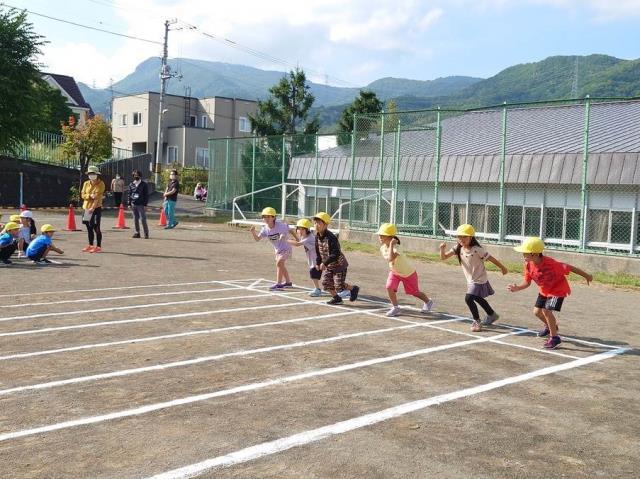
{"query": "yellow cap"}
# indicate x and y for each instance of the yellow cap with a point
(388, 229)
(11, 226)
(14, 218)
(304, 223)
(269, 211)
(465, 230)
(46, 228)
(322, 216)
(532, 244)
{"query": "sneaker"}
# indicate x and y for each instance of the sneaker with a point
(354, 293)
(490, 319)
(136, 235)
(544, 332)
(43, 262)
(287, 285)
(335, 300)
(7, 261)
(552, 343)
(395, 311)
(476, 326)
(427, 307)
(97, 249)
(21, 255)
(315, 293)
(344, 294)
(276, 286)
(87, 249)
(146, 236)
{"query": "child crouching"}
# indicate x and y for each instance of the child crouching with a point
(39, 248)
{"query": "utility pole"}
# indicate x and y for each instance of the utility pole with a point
(165, 74)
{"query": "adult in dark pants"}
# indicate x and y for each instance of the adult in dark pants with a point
(117, 187)
(92, 193)
(138, 199)
(170, 199)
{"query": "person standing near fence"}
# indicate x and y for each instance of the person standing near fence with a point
(92, 194)
(117, 187)
(138, 199)
(170, 200)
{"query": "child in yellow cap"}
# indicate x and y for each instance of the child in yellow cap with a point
(400, 270)
(39, 248)
(550, 276)
(8, 241)
(471, 256)
(308, 242)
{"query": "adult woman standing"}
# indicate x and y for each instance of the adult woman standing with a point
(117, 187)
(92, 194)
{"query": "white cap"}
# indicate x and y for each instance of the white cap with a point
(26, 214)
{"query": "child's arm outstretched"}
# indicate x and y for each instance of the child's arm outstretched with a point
(445, 254)
(519, 287)
(254, 234)
(582, 273)
(57, 250)
(495, 261)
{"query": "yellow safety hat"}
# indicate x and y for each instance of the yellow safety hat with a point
(465, 230)
(322, 216)
(532, 244)
(14, 218)
(388, 229)
(304, 223)
(46, 228)
(269, 211)
(11, 226)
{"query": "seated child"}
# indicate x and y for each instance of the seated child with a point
(40, 247)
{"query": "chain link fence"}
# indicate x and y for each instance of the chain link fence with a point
(567, 171)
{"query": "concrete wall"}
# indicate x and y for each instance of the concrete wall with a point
(586, 261)
(43, 185)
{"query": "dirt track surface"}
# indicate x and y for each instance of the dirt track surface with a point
(226, 368)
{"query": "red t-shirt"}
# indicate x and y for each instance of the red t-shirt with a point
(550, 276)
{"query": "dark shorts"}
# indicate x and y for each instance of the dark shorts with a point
(554, 303)
(315, 273)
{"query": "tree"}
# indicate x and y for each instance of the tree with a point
(286, 111)
(366, 103)
(53, 108)
(92, 142)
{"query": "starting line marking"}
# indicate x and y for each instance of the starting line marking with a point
(314, 435)
(240, 389)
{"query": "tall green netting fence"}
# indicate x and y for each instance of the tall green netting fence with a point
(567, 171)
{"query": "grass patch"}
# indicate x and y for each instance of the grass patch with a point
(622, 280)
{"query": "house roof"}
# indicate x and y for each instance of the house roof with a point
(544, 145)
(69, 85)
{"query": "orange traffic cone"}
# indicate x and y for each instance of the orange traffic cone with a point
(120, 225)
(163, 218)
(71, 220)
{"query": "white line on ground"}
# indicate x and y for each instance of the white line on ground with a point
(314, 435)
(121, 288)
(239, 389)
(155, 338)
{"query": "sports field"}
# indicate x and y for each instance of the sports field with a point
(170, 357)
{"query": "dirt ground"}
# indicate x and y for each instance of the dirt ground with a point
(171, 352)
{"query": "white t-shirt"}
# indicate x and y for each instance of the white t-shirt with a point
(472, 262)
(309, 245)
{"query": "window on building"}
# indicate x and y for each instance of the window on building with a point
(400, 212)
(532, 221)
(572, 222)
(427, 214)
(621, 227)
(193, 120)
(202, 157)
(514, 220)
(205, 121)
(172, 154)
(413, 213)
(137, 118)
(598, 225)
(459, 215)
(493, 219)
(477, 217)
(553, 220)
(122, 119)
(444, 215)
(244, 124)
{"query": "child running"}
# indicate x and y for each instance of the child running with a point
(400, 270)
(308, 242)
(277, 232)
(550, 276)
(471, 256)
(331, 262)
(40, 247)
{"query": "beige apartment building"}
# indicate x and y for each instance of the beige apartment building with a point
(188, 123)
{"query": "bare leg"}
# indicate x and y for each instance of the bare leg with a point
(316, 283)
(538, 313)
(422, 296)
(393, 297)
(551, 322)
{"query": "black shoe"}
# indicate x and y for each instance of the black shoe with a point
(146, 236)
(354, 293)
(335, 300)
(7, 261)
(136, 235)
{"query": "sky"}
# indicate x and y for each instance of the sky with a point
(338, 42)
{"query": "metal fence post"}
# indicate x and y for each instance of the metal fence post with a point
(353, 169)
(253, 172)
(315, 178)
(283, 202)
(381, 173)
(226, 172)
(21, 189)
(396, 172)
(583, 189)
(436, 184)
(503, 159)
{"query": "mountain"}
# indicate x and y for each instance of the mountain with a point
(553, 78)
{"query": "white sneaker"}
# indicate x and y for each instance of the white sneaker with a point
(395, 311)
(427, 307)
(476, 326)
(315, 293)
(344, 293)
